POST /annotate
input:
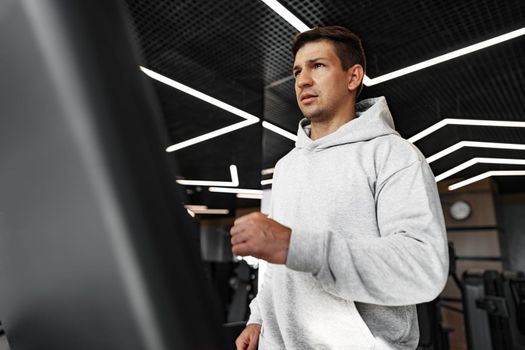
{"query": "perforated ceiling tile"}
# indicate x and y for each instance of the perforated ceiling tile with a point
(243, 40)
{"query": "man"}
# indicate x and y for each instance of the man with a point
(355, 235)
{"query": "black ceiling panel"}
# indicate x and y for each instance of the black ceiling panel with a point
(244, 41)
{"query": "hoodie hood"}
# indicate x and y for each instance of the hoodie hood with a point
(373, 119)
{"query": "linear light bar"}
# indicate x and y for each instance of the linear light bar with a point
(209, 135)
(475, 122)
(279, 82)
(476, 144)
(484, 176)
(279, 131)
(250, 119)
(267, 171)
(212, 211)
(478, 160)
(233, 183)
(196, 207)
(446, 57)
(286, 15)
(266, 182)
(249, 196)
(234, 190)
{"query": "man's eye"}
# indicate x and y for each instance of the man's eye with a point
(318, 65)
(296, 74)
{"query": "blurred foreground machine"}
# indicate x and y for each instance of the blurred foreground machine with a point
(96, 248)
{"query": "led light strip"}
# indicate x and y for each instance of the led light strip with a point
(446, 57)
(476, 144)
(212, 211)
(267, 171)
(267, 182)
(203, 209)
(195, 207)
(478, 160)
(250, 119)
(209, 135)
(279, 131)
(484, 176)
(286, 15)
(475, 122)
(233, 183)
(249, 196)
(235, 190)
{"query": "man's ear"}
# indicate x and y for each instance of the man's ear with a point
(356, 74)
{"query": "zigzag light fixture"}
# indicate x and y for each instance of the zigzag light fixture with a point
(478, 160)
(279, 131)
(249, 118)
(484, 176)
(233, 183)
(476, 144)
(472, 122)
(236, 190)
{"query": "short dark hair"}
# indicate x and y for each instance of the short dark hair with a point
(348, 46)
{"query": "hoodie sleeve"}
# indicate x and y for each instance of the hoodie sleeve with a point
(407, 264)
(255, 312)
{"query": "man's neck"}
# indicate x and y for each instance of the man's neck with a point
(325, 127)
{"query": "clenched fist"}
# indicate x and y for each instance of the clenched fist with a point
(257, 235)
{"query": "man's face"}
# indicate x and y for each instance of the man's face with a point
(321, 84)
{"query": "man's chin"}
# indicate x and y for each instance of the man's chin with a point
(309, 113)
(311, 116)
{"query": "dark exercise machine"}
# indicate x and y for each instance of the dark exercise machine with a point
(494, 309)
(432, 334)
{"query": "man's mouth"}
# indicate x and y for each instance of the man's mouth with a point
(307, 98)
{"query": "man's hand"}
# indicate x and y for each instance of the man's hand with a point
(257, 235)
(249, 338)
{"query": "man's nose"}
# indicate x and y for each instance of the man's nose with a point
(304, 79)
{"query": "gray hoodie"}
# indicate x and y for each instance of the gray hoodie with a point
(368, 240)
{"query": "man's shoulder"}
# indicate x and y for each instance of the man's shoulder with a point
(394, 153)
(394, 143)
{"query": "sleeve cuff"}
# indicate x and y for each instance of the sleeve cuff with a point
(305, 251)
(255, 317)
(254, 320)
